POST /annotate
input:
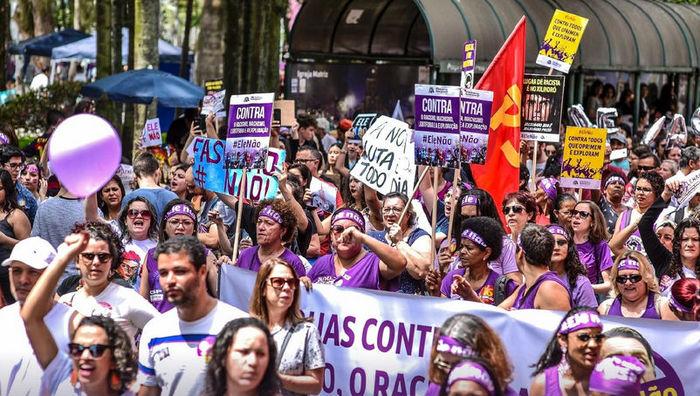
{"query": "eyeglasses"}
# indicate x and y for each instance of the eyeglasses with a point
(622, 279)
(587, 337)
(177, 223)
(304, 160)
(96, 350)
(101, 257)
(516, 209)
(338, 229)
(134, 213)
(389, 210)
(581, 213)
(278, 283)
(643, 190)
(16, 165)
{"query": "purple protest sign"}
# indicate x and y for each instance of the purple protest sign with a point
(475, 119)
(248, 136)
(436, 133)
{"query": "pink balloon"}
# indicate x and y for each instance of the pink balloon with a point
(84, 153)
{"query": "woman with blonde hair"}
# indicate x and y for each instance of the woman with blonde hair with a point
(275, 301)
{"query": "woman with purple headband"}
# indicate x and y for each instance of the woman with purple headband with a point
(566, 264)
(570, 356)
(351, 265)
(472, 376)
(545, 195)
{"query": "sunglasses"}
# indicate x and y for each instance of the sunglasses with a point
(101, 257)
(278, 283)
(550, 153)
(580, 213)
(587, 337)
(338, 229)
(516, 209)
(134, 213)
(645, 167)
(622, 279)
(96, 350)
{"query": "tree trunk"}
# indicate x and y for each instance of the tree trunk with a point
(4, 40)
(184, 58)
(43, 17)
(104, 39)
(25, 20)
(146, 22)
(209, 62)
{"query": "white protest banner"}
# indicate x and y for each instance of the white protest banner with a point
(386, 164)
(151, 133)
(379, 343)
(690, 185)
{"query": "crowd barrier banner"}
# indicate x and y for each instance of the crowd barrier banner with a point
(378, 343)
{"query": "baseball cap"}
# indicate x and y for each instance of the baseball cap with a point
(34, 252)
(617, 136)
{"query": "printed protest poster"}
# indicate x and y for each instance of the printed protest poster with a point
(541, 108)
(437, 136)
(386, 164)
(360, 125)
(468, 61)
(126, 173)
(209, 171)
(474, 122)
(322, 195)
(561, 41)
(584, 153)
(690, 186)
(151, 133)
(213, 101)
(248, 136)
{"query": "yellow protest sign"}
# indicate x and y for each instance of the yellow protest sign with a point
(561, 41)
(584, 154)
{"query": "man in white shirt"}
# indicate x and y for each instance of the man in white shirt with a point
(176, 347)
(20, 372)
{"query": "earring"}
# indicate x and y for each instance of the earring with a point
(115, 382)
(563, 367)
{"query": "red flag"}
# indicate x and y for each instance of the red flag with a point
(504, 76)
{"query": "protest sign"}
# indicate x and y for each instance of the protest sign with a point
(210, 173)
(437, 136)
(584, 153)
(151, 133)
(211, 86)
(690, 185)
(214, 103)
(126, 173)
(474, 122)
(386, 164)
(381, 343)
(283, 112)
(322, 195)
(248, 136)
(468, 60)
(561, 41)
(541, 107)
(360, 125)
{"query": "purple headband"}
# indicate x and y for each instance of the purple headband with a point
(180, 209)
(474, 237)
(556, 229)
(628, 264)
(612, 179)
(474, 372)
(348, 214)
(32, 168)
(617, 375)
(271, 214)
(580, 321)
(470, 200)
(549, 186)
(454, 347)
(678, 306)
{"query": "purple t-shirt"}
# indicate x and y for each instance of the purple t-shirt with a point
(649, 312)
(249, 259)
(596, 258)
(551, 381)
(583, 294)
(527, 301)
(505, 264)
(486, 292)
(155, 295)
(364, 274)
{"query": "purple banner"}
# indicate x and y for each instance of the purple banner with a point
(248, 135)
(475, 119)
(436, 133)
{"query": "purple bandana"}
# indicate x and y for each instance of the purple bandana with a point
(348, 214)
(454, 347)
(614, 179)
(474, 237)
(474, 372)
(556, 229)
(617, 375)
(31, 168)
(678, 306)
(470, 200)
(549, 186)
(180, 209)
(628, 264)
(580, 321)
(271, 214)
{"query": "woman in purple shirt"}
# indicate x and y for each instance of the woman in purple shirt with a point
(635, 293)
(591, 238)
(571, 355)
(351, 265)
(566, 264)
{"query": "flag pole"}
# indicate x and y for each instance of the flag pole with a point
(415, 189)
(434, 220)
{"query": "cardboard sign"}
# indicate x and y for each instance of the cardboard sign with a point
(584, 153)
(437, 125)
(474, 123)
(386, 164)
(561, 41)
(360, 125)
(248, 136)
(541, 107)
(151, 133)
(210, 173)
(286, 117)
(468, 61)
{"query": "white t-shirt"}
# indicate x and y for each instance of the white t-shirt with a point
(124, 305)
(20, 372)
(173, 354)
(56, 378)
(140, 247)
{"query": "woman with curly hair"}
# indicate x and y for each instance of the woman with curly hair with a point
(571, 355)
(647, 190)
(590, 237)
(275, 302)
(243, 361)
(566, 264)
(463, 336)
(101, 361)
(97, 294)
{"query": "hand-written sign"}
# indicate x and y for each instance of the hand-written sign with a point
(584, 154)
(151, 133)
(386, 164)
(561, 41)
(210, 173)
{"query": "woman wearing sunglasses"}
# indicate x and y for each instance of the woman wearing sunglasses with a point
(566, 264)
(570, 356)
(590, 237)
(635, 292)
(519, 208)
(101, 361)
(351, 265)
(138, 227)
(275, 301)
(647, 190)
